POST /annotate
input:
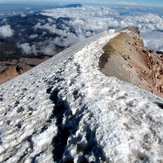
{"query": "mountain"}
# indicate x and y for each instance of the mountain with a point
(37, 32)
(34, 34)
(34, 38)
(28, 46)
(7, 10)
(126, 58)
(67, 110)
(28, 41)
(8, 68)
(74, 5)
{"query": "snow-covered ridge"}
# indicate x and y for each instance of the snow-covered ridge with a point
(65, 109)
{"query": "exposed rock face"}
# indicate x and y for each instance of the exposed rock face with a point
(8, 69)
(126, 58)
(12, 72)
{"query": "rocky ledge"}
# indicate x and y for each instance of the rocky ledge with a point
(126, 58)
(11, 69)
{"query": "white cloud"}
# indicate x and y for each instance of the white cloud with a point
(48, 50)
(47, 47)
(25, 47)
(6, 31)
(126, 3)
(101, 18)
(47, 26)
(33, 36)
(82, 12)
(23, 15)
(89, 20)
(153, 40)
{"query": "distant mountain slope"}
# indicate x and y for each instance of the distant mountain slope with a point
(8, 68)
(11, 72)
(28, 41)
(74, 5)
(66, 110)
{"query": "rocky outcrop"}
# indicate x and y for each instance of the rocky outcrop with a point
(126, 58)
(11, 69)
(11, 72)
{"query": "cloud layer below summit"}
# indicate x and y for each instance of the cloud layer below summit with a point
(71, 25)
(98, 19)
(6, 31)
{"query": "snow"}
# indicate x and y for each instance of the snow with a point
(65, 109)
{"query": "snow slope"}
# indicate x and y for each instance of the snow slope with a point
(66, 110)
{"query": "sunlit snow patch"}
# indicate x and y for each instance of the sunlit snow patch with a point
(65, 109)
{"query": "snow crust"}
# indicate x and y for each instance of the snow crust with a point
(66, 110)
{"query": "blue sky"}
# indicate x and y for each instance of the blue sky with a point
(130, 2)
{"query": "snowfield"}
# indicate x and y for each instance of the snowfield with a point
(66, 110)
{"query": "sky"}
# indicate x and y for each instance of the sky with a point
(125, 2)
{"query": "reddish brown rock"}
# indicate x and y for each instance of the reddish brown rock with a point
(126, 58)
(12, 72)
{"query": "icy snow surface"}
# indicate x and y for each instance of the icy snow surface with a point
(66, 110)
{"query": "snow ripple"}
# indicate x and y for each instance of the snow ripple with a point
(66, 110)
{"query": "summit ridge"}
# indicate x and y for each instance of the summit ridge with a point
(67, 110)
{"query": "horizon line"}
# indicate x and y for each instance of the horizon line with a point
(82, 3)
